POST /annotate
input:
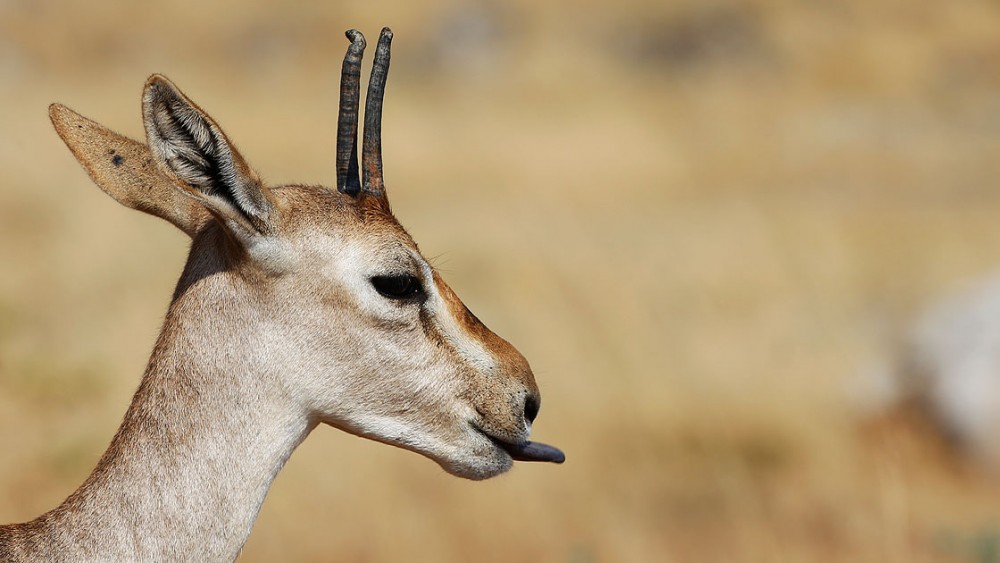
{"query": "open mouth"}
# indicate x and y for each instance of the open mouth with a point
(529, 451)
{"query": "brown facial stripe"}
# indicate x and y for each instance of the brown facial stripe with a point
(511, 362)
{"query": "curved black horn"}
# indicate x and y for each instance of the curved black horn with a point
(347, 122)
(371, 155)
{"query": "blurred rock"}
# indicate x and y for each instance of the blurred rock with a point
(951, 369)
(702, 37)
(470, 40)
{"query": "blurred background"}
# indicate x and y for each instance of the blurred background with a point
(704, 223)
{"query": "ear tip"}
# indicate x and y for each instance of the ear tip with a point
(157, 86)
(62, 117)
(157, 78)
(386, 33)
(56, 110)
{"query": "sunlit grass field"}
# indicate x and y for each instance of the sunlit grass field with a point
(703, 224)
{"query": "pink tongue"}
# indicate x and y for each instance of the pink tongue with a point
(535, 451)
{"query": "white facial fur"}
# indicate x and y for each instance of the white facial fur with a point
(394, 371)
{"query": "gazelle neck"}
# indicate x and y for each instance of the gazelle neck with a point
(299, 304)
(207, 431)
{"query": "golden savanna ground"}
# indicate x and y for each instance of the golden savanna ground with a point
(700, 221)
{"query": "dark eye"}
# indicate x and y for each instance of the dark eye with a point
(397, 287)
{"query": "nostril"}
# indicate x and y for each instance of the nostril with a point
(531, 405)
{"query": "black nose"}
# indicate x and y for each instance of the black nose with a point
(531, 405)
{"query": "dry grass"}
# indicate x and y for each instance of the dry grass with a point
(695, 220)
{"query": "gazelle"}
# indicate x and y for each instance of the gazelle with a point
(298, 305)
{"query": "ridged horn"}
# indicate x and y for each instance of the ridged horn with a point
(347, 121)
(371, 155)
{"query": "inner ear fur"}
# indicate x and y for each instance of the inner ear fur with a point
(189, 147)
(125, 169)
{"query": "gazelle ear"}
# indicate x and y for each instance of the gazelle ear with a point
(191, 149)
(125, 170)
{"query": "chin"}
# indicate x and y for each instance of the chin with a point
(472, 456)
(478, 468)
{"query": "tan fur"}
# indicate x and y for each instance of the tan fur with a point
(274, 328)
(125, 170)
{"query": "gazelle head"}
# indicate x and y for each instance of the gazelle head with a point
(320, 291)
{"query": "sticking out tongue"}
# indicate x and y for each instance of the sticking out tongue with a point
(535, 451)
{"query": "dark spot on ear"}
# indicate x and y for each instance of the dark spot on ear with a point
(117, 160)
